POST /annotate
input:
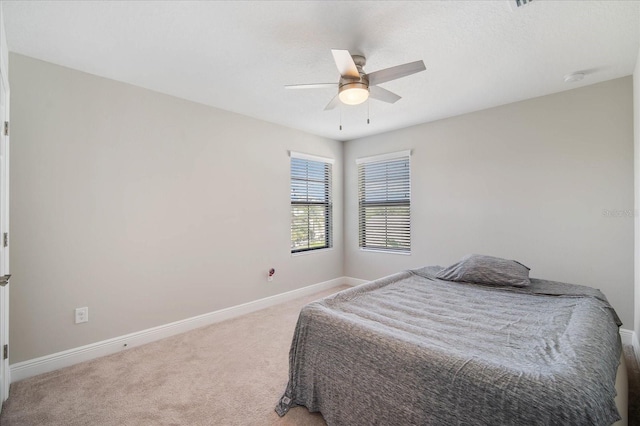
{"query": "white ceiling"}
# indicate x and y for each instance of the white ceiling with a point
(238, 55)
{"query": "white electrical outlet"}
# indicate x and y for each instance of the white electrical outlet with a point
(82, 315)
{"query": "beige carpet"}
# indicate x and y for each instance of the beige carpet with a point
(230, 373)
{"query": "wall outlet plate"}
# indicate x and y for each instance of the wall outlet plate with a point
(82, 315)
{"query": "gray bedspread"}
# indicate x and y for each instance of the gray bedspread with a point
(410, 349)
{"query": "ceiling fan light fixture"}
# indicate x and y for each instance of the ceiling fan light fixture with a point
(356, 86)
(353, 93)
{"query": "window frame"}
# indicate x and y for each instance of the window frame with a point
(402, 228)
(327, 202)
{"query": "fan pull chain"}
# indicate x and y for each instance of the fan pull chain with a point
(368, 103)
(341, 118)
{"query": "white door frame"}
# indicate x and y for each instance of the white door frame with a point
(5, 373)
(5, 378)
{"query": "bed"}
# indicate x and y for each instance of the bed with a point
(415, 349)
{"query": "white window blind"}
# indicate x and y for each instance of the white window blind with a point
(384, 193)
(311, 204)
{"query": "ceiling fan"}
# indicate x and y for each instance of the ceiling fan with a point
(355, 86)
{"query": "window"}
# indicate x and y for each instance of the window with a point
(384, 208)
(311, 225)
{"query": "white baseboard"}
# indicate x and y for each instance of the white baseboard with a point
(25, 369)
(627, 336)
(354, 281)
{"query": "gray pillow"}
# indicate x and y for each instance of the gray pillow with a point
(479, 269)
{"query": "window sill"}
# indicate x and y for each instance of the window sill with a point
(403, 253)
(305, 253)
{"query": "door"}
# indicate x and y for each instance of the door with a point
(5, 378)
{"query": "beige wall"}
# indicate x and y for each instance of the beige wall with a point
(527, 181)
(146, 208)
(150, 209)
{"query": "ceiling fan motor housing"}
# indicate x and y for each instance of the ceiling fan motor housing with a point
(354, 90)
(349, 82)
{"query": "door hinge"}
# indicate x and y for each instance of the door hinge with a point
(5, 352)
(6, 128)
(5, 239)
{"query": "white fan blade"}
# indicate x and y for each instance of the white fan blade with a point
(334, 103)
(393, 73)
(345, 64)
(312, 86)
(383, 94)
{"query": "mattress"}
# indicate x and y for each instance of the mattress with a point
(413, 349)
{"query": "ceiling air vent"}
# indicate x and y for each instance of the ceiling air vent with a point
(519, 3)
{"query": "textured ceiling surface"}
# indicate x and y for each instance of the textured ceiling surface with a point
(238, 55)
